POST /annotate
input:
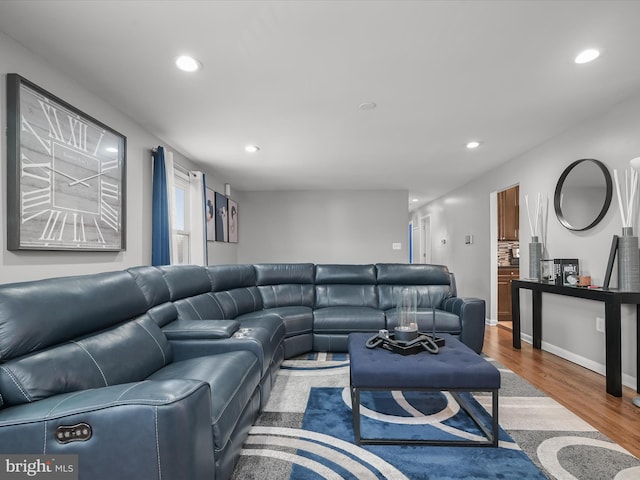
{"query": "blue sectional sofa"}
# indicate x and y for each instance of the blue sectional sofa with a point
(159, 372)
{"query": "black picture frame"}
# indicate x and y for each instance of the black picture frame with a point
(222, 225)
(233, 221)
(66, 175)
(612, 258)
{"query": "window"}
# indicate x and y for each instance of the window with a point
(181, 226)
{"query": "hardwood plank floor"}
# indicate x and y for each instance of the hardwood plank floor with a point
(576, 388)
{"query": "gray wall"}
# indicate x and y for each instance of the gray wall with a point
(568, 324)
(323, 226)
(29, 265)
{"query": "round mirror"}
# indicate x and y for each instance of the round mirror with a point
(583, 194)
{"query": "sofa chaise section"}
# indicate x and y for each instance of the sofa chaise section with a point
(83, 351)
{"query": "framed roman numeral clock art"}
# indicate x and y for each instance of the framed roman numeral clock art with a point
(65, 175)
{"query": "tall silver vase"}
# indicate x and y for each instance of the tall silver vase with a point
(628, 261)
(535, 255)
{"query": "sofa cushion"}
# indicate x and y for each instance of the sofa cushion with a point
(127, 353)
(290, 294)
(346, 295)
(229, 277)
(204, 306)
(446, 322)
(297, 320)
(412, 274)
(238, 301)
(347, 319)
(341, 274)
(284, 273)
(57, 310)
(234, 378)
(186, 280)
(152, 284)
(427, 295)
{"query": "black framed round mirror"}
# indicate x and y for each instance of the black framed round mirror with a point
(583, 194)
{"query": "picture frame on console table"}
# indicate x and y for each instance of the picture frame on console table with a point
(66, 175)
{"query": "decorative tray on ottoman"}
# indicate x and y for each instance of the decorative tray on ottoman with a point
(422, 342)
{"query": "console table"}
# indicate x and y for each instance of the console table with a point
(612, 298)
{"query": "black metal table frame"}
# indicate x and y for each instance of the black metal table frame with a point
(613, 300)
(491, 434)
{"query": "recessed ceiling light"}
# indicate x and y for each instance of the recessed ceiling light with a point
(367, 106)
(188, 64)
(252, 148)
(587, 55)
(473, 144)
(414, 200)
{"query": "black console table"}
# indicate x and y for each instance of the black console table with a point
(612, 299)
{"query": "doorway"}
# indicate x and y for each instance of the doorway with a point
(424, 225)
(508, 250)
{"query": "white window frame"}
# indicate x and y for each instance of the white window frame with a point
(181, 181)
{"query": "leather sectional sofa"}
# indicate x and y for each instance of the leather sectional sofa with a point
(159, 372)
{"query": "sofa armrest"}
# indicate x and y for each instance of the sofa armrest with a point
(200, 329)
(166, 423)
(471, 312)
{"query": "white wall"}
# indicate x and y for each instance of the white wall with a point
(568, 324)
(323, 226)
(29, 265)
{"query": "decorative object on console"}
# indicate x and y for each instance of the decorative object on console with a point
(628, 253)
(584, 280)
(65, 175)
(536, 224)
(547, 274)
(628, 261)
(535, 255)
(566, 271)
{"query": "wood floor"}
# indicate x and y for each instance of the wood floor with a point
(576, 388)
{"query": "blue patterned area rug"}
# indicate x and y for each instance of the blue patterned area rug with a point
(306, 433)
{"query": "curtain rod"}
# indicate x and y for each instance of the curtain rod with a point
(177, 166)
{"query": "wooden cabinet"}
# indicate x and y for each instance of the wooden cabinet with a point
(505, 275)
(509, 214)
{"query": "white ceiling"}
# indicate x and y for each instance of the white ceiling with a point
(289, 76)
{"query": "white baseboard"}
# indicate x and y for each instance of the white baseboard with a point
(627, 380)
(492, 322)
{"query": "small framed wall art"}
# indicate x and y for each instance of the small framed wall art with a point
(66, 175)
(233, 221)
(222, 212)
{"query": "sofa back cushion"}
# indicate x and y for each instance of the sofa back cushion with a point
(185, 280)
(43, 313)
(285, 284)
(346, 285)
(229, 277)
(152, 283)
(238, 301)
(433, 283)
(129, 352)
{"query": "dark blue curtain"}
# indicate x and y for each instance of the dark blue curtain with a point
(161, 232)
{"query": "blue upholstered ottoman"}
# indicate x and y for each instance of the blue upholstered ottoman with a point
(456, 368)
